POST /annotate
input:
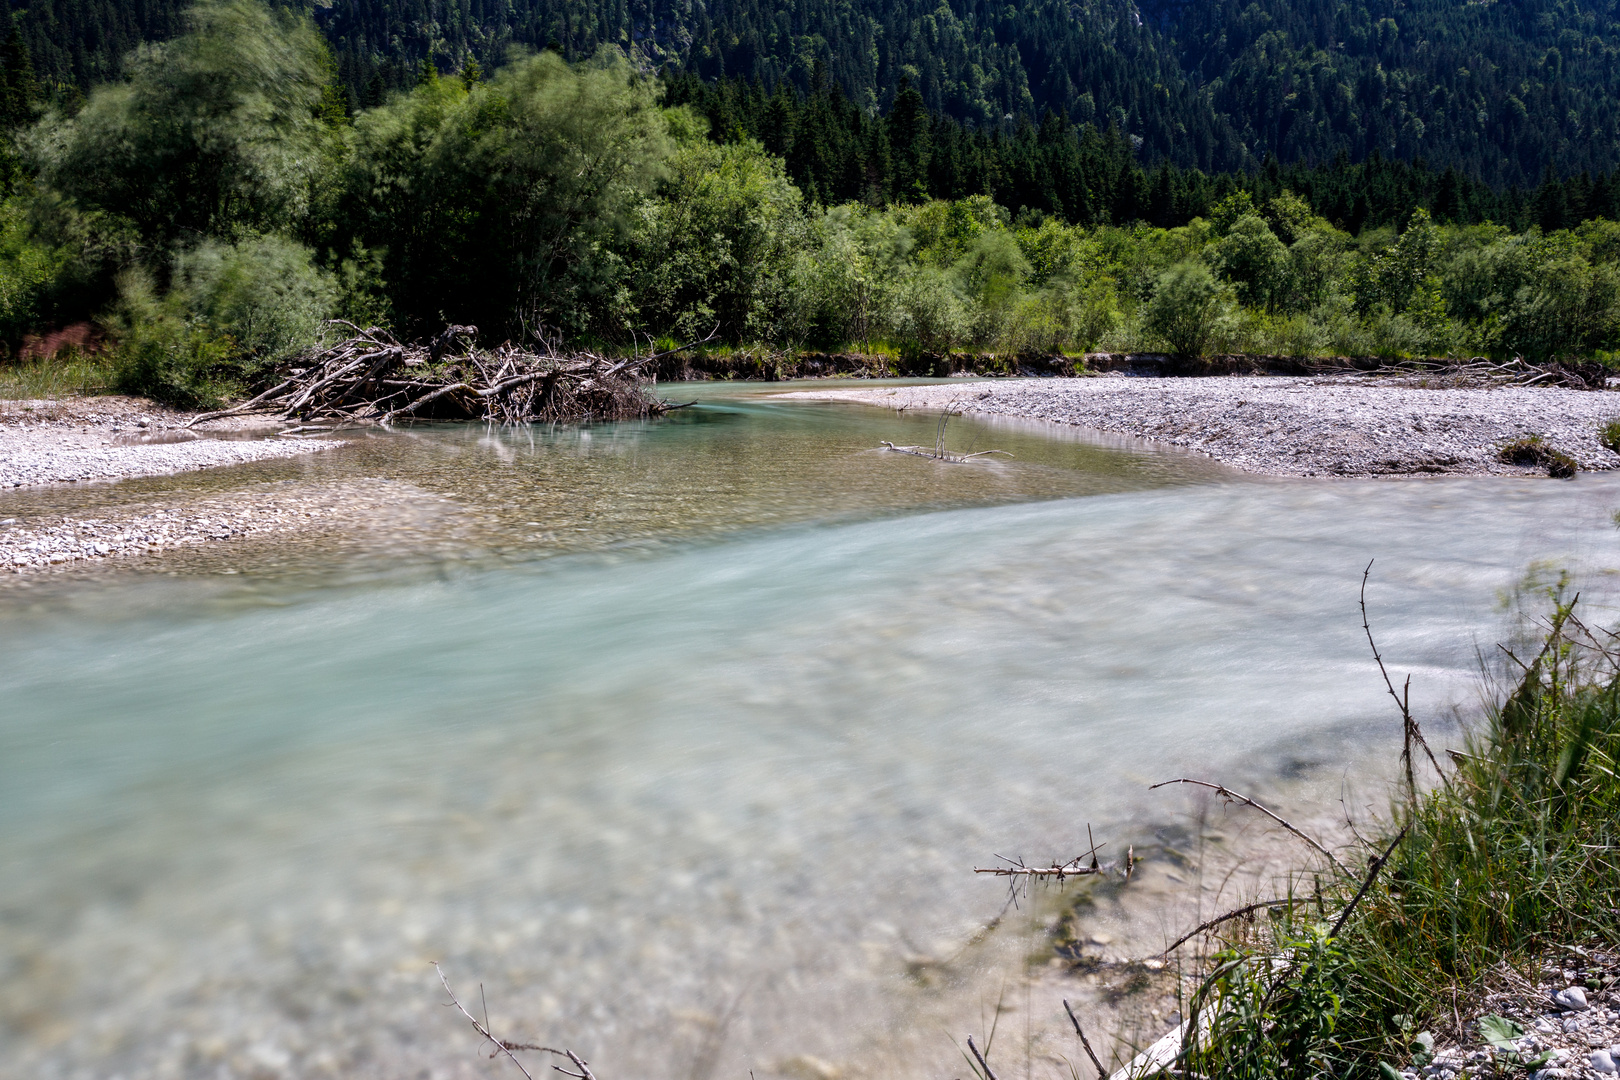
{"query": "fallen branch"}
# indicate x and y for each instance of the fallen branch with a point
(938, 452)
(1230, 795)
(1402, 701)
(1372, 875)
(983, 1064)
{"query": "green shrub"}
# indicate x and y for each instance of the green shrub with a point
(264, 294)
(1187, 303)
(1609, 435)
(163, 354)
(1516, 850)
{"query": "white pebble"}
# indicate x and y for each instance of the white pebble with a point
(1572, 998)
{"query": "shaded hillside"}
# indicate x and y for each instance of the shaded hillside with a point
(1498, 90)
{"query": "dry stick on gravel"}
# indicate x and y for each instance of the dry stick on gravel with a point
(1230, 795)
(1402, 701)
(502, 1046)
(1102, 1073)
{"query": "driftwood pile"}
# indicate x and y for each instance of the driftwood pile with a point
(372, 378)
(1480, 372)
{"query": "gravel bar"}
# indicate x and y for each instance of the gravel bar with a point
(79, 439)
(1325, 426)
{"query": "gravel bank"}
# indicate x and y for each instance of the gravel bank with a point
(110, 438)
(62, 542)
(1338, 426)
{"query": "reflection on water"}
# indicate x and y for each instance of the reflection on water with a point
(689, 807)
(727, 466)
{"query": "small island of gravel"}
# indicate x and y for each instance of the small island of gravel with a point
(1316, 426)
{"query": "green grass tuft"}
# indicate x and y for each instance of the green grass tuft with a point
(1532, 451)
(70, 373)
(1517, 850)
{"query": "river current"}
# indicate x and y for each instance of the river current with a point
(680, 738)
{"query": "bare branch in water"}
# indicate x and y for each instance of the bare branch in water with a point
(1230, 795)
(503, 1046)
(1102, 1073)
(1403, 701)
(937, 452)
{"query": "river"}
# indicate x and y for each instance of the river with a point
(681, 737)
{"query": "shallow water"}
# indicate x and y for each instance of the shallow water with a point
(686, 774)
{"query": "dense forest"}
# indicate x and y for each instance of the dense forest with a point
(204, 214)
(1498, 91)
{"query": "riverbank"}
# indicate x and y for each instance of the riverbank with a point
(107, 438)
(1324, 426)
(1474, 935)
(78, 439)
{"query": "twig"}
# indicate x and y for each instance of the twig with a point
(1403, 702)
(1102, 1073)
(1227, 793)
(1372, 873)
(983, 1064)
(1235, 913)
(501, 1047)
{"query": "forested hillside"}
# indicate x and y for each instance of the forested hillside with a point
(1500, 91)
(206, 214)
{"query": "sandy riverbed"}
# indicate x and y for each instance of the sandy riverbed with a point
(1292, 426)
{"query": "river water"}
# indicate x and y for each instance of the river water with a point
(681, 738)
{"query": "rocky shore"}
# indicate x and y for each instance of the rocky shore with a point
(1324, 426)
(112, 438)
(1564, 1026)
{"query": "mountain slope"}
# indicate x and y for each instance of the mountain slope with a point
(1500, 89)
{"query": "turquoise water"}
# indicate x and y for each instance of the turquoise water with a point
(684, 774)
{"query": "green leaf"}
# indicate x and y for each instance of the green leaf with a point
(1499, 1031)
(1388, 1071)
(1423, 1048)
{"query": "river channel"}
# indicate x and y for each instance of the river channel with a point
(681, 738)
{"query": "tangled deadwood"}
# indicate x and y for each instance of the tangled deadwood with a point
(372, 378)
(1480, 372)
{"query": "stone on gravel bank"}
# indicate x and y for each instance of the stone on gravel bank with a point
(111, 438)
(1571, 1024)
(1328, 426)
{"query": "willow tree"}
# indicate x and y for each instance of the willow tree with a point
(213, 134)
(496, 202)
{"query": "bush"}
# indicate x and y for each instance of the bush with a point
(165, 353)
(1186, 305)
(265, 295)
(930, 316)
(1512, 853)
